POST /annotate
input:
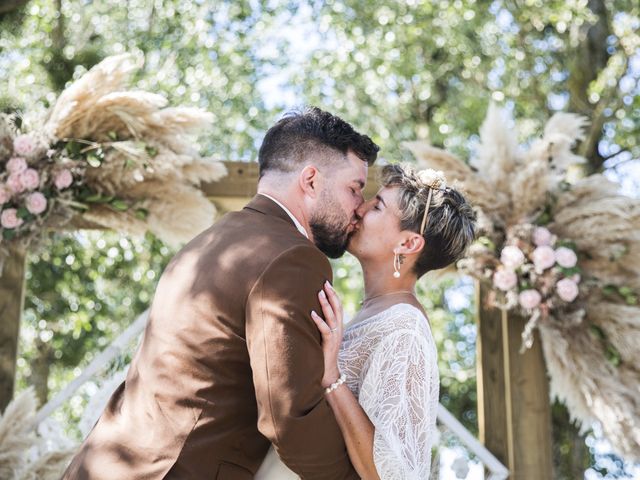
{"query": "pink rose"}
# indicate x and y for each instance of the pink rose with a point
(512, 257)
(16, 165)
(24, 145)
(566, 257)
(567, 289)
(14, 182)
(5, 195)
(505, 279)
(576, 277)
(529, 299)
(9, 218)
(63, 179)
(36, 203)
(30, 179)
(542, 237)
(543, 257)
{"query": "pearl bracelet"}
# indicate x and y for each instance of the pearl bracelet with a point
(335, 385)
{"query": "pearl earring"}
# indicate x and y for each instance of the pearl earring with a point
(397, 261)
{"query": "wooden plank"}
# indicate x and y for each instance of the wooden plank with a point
(530, 419)
(514, 412)
(492, 406)
(11, 303)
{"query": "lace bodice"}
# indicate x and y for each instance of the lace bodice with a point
(391, 366)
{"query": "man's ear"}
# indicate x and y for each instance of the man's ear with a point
(308, 180)
(413, 243)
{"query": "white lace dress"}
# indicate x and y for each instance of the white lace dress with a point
(391, 367)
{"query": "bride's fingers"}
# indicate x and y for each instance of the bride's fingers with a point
(321, 324)
(327, 310)
(334, 300)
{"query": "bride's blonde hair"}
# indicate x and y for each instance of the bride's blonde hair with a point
(450, 220)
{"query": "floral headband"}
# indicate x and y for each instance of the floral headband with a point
(433, 180)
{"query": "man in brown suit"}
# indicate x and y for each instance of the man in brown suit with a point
(231, 360)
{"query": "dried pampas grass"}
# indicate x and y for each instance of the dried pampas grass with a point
(591, 387)
(16, 433)
(75, 105)
(478, 191)
(18, 441)
(497, 149)
(50, 466)
(606, 228)
(151, 158)
(591, 352)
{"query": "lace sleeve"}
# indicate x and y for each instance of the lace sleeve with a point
(399, 394)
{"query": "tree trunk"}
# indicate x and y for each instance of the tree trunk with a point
(571, 456)
(591, 58)
(11, 304)
(7, 6)
(40, 368)
(57, 35)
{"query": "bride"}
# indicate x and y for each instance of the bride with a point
(381, 376)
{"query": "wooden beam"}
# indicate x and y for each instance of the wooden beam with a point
(514, 412)
(530, 405)
(236, 189)
(490, 378)
(11, 303)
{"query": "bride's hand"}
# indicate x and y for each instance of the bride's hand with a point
(331, 328)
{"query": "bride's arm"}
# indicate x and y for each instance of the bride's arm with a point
(357, 429)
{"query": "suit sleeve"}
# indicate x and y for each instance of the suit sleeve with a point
(287, 363)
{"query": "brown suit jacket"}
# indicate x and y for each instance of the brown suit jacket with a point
(230, 362)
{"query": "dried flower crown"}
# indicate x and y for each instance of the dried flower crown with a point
(433, 180)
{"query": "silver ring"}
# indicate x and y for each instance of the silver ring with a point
(334, 329)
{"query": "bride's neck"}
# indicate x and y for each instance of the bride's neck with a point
(379, 280)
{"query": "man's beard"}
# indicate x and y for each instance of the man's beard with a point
(330, 228)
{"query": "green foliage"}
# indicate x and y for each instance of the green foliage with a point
(418, 69)
(82, 291)
(197, 53)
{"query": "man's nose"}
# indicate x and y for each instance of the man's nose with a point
(361, 210)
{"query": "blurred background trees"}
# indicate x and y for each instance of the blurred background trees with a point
(397, 70)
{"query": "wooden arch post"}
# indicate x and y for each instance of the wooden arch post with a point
(514, 411)
(11, 303)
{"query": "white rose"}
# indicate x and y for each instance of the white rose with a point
(505, 279)
(542, 237)
(529, 299)
(432, 178)
(566, 257)
(567, 289)
(512, 257)
(543, 257)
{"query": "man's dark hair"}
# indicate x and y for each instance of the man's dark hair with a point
(298, 136)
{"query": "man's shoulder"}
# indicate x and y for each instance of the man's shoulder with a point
(297, 265)
(304, 252)
(275, 240)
